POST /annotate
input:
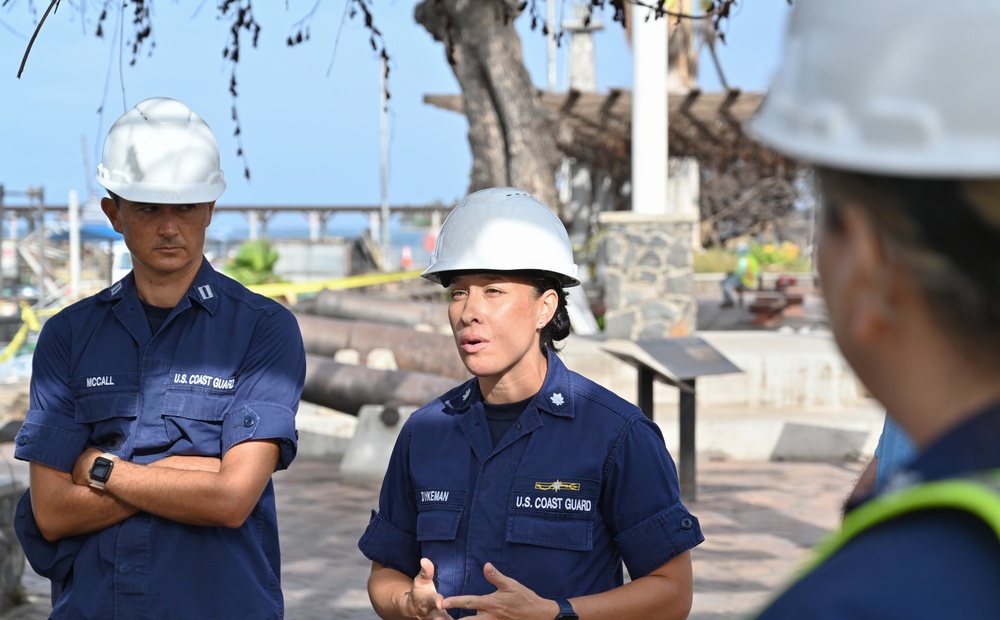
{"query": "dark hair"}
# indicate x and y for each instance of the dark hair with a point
(558, 327)
(946, 232)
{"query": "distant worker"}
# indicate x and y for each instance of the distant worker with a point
(161, 406)
(891, 101)
(744, 278)
(524, 492)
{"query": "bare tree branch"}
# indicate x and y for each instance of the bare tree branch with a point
(52, 6)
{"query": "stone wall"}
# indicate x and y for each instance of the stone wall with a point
(647, 272)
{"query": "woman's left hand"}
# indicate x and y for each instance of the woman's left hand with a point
(511, 601)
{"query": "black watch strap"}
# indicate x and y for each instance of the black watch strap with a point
(566, 611)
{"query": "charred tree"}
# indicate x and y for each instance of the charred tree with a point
(511, 140)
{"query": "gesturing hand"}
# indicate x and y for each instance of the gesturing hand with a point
(423, 600)
(511, 601)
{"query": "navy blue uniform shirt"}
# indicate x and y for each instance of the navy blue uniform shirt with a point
(928, 564)
(580, 483)
(225, 367)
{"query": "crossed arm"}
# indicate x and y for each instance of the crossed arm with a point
(665, 593)
(193, 490)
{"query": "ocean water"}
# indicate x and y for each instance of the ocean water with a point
(410, 244)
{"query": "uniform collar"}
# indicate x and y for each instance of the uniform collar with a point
(554, 397)
(970, 446)
(204, 290)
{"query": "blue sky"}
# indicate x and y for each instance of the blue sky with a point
(310, 137)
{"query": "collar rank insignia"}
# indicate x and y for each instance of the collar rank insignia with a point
(557, 399)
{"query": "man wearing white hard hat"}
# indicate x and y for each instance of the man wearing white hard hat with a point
(895, 103)
(524, 492)
(161, 406)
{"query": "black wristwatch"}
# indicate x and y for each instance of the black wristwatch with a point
(566, 611)
(100, 471)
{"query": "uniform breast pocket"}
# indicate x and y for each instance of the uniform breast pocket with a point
(439, 512)
(556, 531)
(438, 524)
(192, 420)
(109, 404)
(552, 514)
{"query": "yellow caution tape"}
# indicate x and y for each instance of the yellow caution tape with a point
(290, 290)
(29, 323)
(29, 317)
(15, 344)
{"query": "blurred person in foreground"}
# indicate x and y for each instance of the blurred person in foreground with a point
(161, 406)
(895, 103)
(520, 493)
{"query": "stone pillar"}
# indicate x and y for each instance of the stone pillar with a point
(648, 274)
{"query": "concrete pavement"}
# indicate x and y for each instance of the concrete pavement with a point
(759, 518)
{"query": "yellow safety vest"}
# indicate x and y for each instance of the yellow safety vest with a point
(979, 495)
(749, 277)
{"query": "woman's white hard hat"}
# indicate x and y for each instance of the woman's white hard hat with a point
(161, 152)
(503, 229)
(891, 87)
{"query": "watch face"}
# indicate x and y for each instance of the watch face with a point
(101, 469)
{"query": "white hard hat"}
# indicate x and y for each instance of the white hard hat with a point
(891, 87)
(161, 152)
(503, 229)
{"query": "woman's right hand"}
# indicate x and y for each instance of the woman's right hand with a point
(423, 600)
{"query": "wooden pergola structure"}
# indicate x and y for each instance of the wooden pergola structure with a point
(595, 129)
(699, 121)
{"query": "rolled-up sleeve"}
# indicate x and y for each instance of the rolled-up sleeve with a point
(643, 502)
(50, 434)
(390, 546)
(651, 543)
(261, 420)
(271, 383)
(51, 439)
(391, 538)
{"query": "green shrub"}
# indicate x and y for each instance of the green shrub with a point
(253, 264)
(784, 257)
(714, 260)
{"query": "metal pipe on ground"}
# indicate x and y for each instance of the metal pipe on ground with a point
(347, 388)
(381, 309)
(434, 354)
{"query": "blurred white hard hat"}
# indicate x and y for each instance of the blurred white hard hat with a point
(503, 229)
(161, 152)
(890, 87)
